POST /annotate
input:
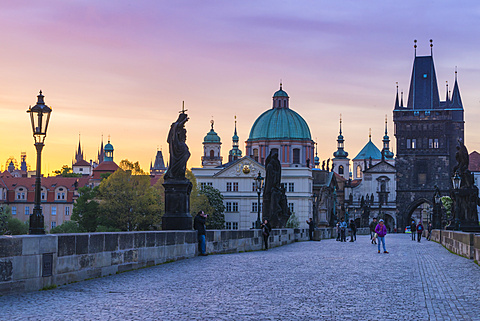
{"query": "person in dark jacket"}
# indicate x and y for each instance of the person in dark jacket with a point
(419, 231)
(372, 226)
(413, 229)
(199, 225)
(353, 231)
(429, 229)
(266, 228)
(311, 228)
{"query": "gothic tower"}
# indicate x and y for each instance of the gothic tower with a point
(427, 131)
(341, 161)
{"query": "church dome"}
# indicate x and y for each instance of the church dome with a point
(369, 151)
(280, 93)
(212, 136)
(108, 147)
(280, 123)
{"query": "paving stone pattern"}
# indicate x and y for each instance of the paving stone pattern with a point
(325, 280)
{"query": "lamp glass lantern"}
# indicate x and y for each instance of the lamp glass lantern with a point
(39, 117)
(456, 180)
(259, 182)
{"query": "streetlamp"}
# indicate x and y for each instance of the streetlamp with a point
(258, 185)
(436, 215)
(456, 182)
(39, 116)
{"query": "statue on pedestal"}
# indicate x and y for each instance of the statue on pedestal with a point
(177, 186)
(275, 205)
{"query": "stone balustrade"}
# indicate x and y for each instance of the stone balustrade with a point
(461, 243)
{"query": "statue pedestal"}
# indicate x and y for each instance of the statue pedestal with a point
(177, 205)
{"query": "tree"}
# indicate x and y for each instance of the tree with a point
(128, 202)
(66, 172)
(134, 168)
(85, 209)
(17, 227)
(11, 225)
(216, 220)
(5, 214)
(66, 227)
(292, 222)
(198, 201)
(447, 203)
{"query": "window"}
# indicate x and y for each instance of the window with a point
(67, 211)
(234, 207)
(81, 169)
(291, 187)
(435, 143)
(203, 184)
(14, 210)
(54, 224)
(229, 186)
(235, 186)
(43, 196)
(359, 171)
(254, 207)
(20, 194)
(228, 225)
(430, 143)
(235, 225)
(291, 206)
(255, 154)
(296, 156)
(409, 143)
(254, 186)
(54, 210)
(340, 169)
(27, 210)
(61, 196)
(414, 143)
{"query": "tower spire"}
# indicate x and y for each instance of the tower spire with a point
(456, 98)
(401, 101)
(397, 105)
(386, 131)
(369, 134)
(431, 47)
(340, 124)
(415, 46)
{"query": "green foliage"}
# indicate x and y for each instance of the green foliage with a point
(66, 171)
(134, 168)
(85, 209)
(293, 222)
(17, 227)
(216, 219)
(128, 202)
(447, 203)
(103, 228)
(5, 214)
(104, 176)
(198, 201)
(67, 227)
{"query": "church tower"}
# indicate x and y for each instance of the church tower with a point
(235, 153)
(387, 154)
(427, 131)
(341, 161)
(211, 149)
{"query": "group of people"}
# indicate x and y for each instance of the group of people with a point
(418, 229)
(342, 227)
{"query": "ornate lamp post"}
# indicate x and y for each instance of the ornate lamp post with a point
(258, 185)
(39, 116)
(456, 182)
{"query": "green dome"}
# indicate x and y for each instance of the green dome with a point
(280, 93)
(211, 137)
(108, 147)
(280, 123)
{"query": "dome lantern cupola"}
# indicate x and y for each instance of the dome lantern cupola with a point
(235, 153)
(386, 142)
(211, 149)
(340, 153)
(280, 98)
(108, 149)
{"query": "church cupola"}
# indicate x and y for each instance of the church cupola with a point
(280, 98)
(386, 142)
(316, 160)
(108, 149)
(235, 153)
(211, 149)
(340, 153)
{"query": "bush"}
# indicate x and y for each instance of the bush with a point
(66, 227)
(103, 228)
(17, 227)
(293, 222)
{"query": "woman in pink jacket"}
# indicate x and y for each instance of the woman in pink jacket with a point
(381, 231)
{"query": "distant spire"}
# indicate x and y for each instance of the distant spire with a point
(397, 105)
(447, 97)
(340, 124)
(369, 134)
(415, 46)
(401, 102)
(386, 131)
(431, 47)
(456, 99)
(281, 84)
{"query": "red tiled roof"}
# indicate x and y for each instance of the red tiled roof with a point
(474, 162)
(81, 162)
(104, 167)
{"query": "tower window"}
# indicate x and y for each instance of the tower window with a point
(414, 143)
(435, 143)
(296, 156)
(255, 154)
(359, 171)
(212, 154)
(340, 169)
(430, 143)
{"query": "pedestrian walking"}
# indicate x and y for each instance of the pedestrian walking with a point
(311, 228)
(338, 231)
(429, 229)
(343, 231)
(419, 231)
(199, 225)
(381, 231)
(372, 226)
(413, 229)
(353, 231)
(266, 228)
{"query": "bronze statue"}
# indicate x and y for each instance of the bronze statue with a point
(179, 153)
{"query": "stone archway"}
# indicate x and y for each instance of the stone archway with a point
(389, 223)
(416, 212)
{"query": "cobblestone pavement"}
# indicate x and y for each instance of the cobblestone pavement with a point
(325, 280)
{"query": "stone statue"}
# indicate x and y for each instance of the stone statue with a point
(462, 158)
(328, 165)
(275, 207)
(179, 153)
(323, 165)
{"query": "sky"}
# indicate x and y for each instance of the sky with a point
(122, 69)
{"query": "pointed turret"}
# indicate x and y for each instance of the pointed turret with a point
(447, 98)
(340, 153)
(316, 159)
(158, 168)
(386, 143)
(456, 99)
(341, 162)
(101, 153)
(397, 104)
(235, 153)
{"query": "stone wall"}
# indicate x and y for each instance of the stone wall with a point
(33, 262)
(461, 243)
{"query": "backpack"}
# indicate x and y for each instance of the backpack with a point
(420, 228)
